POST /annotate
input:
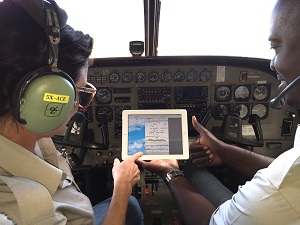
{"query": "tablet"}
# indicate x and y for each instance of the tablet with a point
(159, 134)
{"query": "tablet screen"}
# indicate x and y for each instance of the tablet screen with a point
(159, 134)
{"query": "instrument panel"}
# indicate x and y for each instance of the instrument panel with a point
(226, 94)
(225, 85)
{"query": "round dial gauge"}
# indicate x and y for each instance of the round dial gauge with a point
(260, 110)
(166, 77)
(103, 95)
(242, 92)
(192, 76)
(242, 109)
(221, 111)
(140, 77)
(205, 75)
(222, 94)
(260, 92)
(118, 112)
(179, 76)
(153, 77)
(127, 77)
(104, 114)
(114, 77)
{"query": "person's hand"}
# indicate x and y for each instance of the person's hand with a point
(159, 167)
(200, 155)
(127, 171)
(205, 151)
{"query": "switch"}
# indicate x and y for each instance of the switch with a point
(286, 128)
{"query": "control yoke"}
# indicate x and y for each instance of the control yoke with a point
(231, 129)
(79, 136)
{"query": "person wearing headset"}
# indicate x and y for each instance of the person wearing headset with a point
(272, 196)
(43, 81)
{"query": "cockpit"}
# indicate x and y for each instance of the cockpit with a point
(211, 58)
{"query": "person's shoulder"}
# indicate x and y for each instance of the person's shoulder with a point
(285, 167)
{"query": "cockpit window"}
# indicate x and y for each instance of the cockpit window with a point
(189, 27)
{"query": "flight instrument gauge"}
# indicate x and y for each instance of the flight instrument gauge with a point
(103, 95)
(221, 111)
(192, 76)
(127, 77)
(242, 93)
(179, 76)
(261, 110)
(166, 77)
(261, 92)
(222, 94)
(153, 77)
(104, 114)
(205, 75)
(242, 109)
(118, 112)
(140, 77)
(114, 77)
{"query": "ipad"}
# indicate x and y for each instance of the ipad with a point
(159, 134)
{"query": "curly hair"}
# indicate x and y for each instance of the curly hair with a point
(24, 47)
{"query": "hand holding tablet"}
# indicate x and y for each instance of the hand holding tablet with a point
(159, 134)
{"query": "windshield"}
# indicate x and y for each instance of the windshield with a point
(189, 27)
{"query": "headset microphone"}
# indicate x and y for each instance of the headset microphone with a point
(278, 102)
(76, 129)
(78, 117)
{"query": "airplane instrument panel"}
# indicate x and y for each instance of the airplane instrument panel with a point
(229, 96)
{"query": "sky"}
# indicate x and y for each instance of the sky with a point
(189, 27)
(136, 139)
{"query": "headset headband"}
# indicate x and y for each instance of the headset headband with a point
(50, 17)
(36, 9)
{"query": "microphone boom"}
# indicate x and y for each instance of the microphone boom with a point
(278, 102)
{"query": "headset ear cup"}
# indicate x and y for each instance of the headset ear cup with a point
(46, 101)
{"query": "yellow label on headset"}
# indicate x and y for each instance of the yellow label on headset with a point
(48, 97)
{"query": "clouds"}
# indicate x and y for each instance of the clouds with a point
(136, 146)
(135, 128)
(139, 144)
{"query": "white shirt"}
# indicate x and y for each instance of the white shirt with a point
(271, 197)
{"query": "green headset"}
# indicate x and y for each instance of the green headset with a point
(44, 98)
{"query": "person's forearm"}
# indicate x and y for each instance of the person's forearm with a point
(116, 213)
(243, 160)
(195, 209)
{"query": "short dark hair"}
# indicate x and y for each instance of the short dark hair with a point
(24, 47)
(75, 48)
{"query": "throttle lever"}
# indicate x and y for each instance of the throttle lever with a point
(231, 131)
(104, 131)
(254, 120)
(207, 116)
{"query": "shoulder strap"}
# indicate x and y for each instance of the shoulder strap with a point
(30, 197)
